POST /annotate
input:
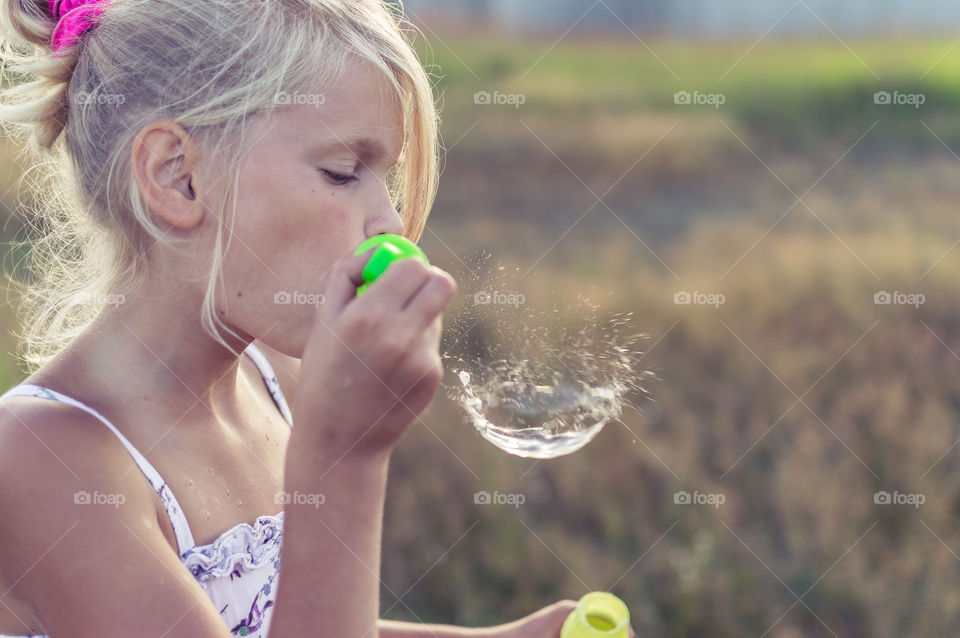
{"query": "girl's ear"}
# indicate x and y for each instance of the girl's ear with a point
(164, 161)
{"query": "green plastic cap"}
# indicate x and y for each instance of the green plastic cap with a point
(389, 248)
(599, 614)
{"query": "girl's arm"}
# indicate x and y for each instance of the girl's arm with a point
(362, 355)
(395, 629)
(545, 623)
(331, 550)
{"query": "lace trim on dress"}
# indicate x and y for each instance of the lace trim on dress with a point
(251, 547)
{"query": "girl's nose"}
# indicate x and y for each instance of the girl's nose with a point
(389, 221)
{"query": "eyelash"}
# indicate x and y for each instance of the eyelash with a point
(339, 179)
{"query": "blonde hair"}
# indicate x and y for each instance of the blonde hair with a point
(208, 65)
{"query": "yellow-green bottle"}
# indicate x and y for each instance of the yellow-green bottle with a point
(598, 614)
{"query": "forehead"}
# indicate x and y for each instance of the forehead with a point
(360, 111)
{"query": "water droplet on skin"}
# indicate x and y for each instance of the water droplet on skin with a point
(206, 515)
(239, 503)
(210, 471)
(188, 482)
(226, 490)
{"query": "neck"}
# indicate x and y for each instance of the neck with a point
(156, 347)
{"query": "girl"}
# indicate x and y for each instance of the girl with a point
(212, 165)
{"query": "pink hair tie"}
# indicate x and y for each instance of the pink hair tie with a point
(74, 18)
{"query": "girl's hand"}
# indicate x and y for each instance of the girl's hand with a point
(545, 623)
(371, 364)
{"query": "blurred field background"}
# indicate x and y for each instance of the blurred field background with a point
(797, 399)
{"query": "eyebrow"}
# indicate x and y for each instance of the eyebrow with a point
(368, 149)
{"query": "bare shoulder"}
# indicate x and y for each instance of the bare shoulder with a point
(52, 442)
(287, 369)
(80, 543)
(53, 458)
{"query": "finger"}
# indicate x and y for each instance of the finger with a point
(434, 332)
(423, 375)
(345, 276)
(428, 342)
(430, 300)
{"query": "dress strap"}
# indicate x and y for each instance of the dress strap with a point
(177, 519)
(270, 378)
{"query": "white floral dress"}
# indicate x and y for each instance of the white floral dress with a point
(239, 570)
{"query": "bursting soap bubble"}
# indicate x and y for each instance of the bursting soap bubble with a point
(537, 381)
(554, 402)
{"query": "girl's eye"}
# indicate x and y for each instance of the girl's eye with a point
(339, 179)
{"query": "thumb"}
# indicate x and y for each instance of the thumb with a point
(345, 275)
